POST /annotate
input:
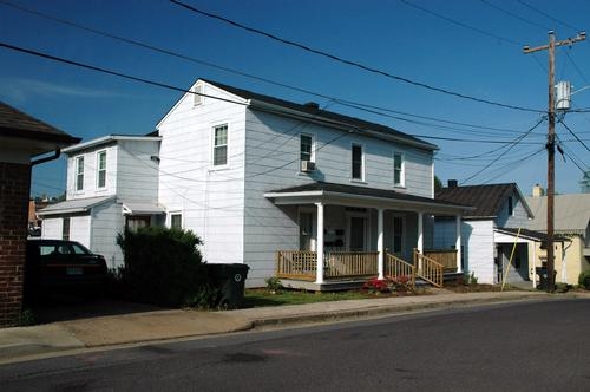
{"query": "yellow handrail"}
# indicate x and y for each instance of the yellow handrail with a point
(428, 269)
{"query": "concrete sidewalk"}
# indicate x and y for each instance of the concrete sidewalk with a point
(109, 330)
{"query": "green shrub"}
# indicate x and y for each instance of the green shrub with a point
(470, 279)
(584, 279)
(162, 266)
(206, 296)
(273, 283)
(26, 318)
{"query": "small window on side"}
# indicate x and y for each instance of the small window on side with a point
(357, 162)
(80, 173)
(102, 169)
(197, 91)
(306, 148)
(176, 221)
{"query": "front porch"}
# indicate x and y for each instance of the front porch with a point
(341, 270)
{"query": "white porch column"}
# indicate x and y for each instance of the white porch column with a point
(380, 241)
(319, 244)
(534, 277)
(420, 234)
(458, 243)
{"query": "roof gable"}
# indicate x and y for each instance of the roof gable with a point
(571, 213)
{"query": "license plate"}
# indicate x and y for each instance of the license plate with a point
(74, 271)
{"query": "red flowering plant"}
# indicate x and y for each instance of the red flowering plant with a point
(400, 283)
(376, 285)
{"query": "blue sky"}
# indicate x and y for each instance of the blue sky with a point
(473, 47)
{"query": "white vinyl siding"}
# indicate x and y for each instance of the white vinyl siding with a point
(220, 142)
(102, 170)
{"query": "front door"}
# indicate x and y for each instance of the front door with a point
(306, 231)
(357, 240)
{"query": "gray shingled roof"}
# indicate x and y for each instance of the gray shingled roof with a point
(487, 199)
(313, 109)
(75, 205)
(572, 213)
(14, 123)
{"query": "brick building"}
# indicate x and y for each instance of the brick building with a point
(22, 137)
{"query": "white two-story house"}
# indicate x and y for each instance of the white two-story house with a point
(294, 191)
(112, 183)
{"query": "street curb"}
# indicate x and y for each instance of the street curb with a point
(397, 309)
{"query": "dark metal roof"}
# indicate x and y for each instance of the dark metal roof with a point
(14, 123)
(314, 109)
(487, 199)
(363, 191)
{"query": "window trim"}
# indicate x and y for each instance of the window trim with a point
(402, 183)
(98, 169)
(213, 146)
(363, 163)
(79, 185)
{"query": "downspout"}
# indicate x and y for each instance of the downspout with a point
(56, 154)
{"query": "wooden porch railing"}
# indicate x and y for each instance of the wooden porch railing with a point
(394, 266)
(428, 269)
(349, 264)
(446, 257)
(296, 264)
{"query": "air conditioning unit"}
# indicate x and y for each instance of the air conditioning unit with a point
(307, 166)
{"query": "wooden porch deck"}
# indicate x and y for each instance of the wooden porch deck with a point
(341, 270)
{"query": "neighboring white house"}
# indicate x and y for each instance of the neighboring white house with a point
(488, 235)
(112, 182)
(289, 189)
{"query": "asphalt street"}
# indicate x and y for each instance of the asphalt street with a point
(538, 346)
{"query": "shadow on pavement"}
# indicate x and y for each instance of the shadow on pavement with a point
(58, 308)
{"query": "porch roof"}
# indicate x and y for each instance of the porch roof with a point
(527, 234)
(74, 206)
(362, 196)
(136, 208)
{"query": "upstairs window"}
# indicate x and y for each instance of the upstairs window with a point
(79, 173)
(357, 162)
(510, 207)
(398, 170)
(65, 230)
(220, 145)
(306, 148)
(102, 169)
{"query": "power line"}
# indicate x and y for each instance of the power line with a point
(340, 101)
(548, 16)
(574, 134)
(514, 15)
(459, 23)
(515, 142)
(514, 165)
(577, 68)
(351, 62)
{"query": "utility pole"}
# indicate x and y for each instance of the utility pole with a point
(551, 144)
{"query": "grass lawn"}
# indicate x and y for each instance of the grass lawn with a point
(259, 298)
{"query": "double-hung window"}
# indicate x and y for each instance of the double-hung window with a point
(306, 148)
(398, 170)
(102, 169)
(357, 162)
(79, 173)
(220, 145)
(176, 220)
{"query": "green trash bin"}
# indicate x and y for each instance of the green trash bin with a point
(229, 279)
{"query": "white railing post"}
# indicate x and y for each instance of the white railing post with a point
(458, 243)
(319, 273)
(380, 241)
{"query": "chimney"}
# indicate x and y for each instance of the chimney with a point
(314, 106)
(452, 183)
(538, 191)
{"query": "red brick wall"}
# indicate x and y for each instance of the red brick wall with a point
(14, 196)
